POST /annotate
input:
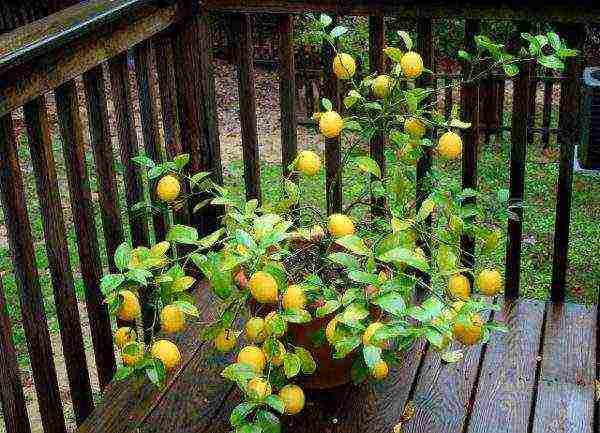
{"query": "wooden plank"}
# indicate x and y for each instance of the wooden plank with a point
(547, 113)
(112, 227)
(14, 410)
(565, 396)
(506, 384)
(247, 96)
(30, 294)
(377, 65)
(57, 251)
(287, 95)
(73, 144)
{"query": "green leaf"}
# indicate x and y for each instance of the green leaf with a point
(144, 161)
(211, 239)
(111, 282)
(183, 234)
(197, 178)
(326, 103)
(291, 364)
(307, 362)
(553, 40)
(187, 308)
(406, 256)
(268, 422)
(182, 284)
(426, 209)
(157, 171)
(359, 372)
(551, 62)
(453, 356)
(463, 55)
(238, 372)
(240, 412)
(456, 123)
(346, 260)
(368, 165)
(511, 70)
(122, 256)
(248, 428)
(352, 125)
(140, 276)
(497, 326)
(276, 403)
(329, 307)
(354, 244)
(181, 160)
(391, 302)
(364, 277)
(296, 315)
(371, 355)
(346, 345)
(353, 313)
(503, 195)
(123, 373)
(325, 20)
(338, 31)
(406, 39)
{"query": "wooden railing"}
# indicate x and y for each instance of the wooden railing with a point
(79, 46)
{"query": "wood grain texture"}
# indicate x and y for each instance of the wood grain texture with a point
(565, 396)
(57, 251)
(287, 92)
(14, 411)
(30, 293)
(73, 145)
(377, 65)
(506, 384)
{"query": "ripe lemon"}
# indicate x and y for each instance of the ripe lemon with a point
(414, 127)
(459, 287)
(254, 357)
(275, 360)
(255, 329)
(225, 341)
(308, 163)
(489, 282)
(172, 319)
(469, 333)
(294, 298)
(380, 371)
(270, 320)
(330, 331)
(130, 307)
(331, 124)
(167, 352)
(411, 64)
(263, 287)
(259, 388)
(293, 399)
(124, 335)
(344, 66)
(132, 353)
(370, 331)
(340, 225)
(450, 145)
(168, 188)
(381, 86)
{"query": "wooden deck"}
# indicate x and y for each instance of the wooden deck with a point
(538, 378)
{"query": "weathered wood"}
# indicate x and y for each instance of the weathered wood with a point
(448, 97)
(30, 294)
(377, 64)
(247, 95)
(57, 251)
(547, 113)
(565, 396)
(14, 410)
(287, 95)
(48, 70)
(73, 145)
(507, 380)
(100, 137)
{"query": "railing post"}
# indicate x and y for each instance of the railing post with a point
(377, 65)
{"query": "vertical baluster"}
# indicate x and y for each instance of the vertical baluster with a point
(448, 100)
(547, 112)
(501, 92)
(287, 86)
(57, 250)
(71, 130)
(30, 293)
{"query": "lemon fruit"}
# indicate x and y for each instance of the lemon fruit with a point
(293, 399)
(130, 307)
(259, 388)
(380, 370)
(411, 64)
(254, 357)
(489, 282)
(278, 359)
(308, 163)
(330, 333)
(370, 332)
(225, 340)
(340, 225)
(344, 66)
(414, 127)
(167, 352)
(450, 145)
(132, 353)
(469, 331)
(263, 287)
(381, 86)
(168, 188)
(294, 298)
(273, 325)
(331, 124)
(124, 335)
(172, 319)
(255, 329)
(459, 287)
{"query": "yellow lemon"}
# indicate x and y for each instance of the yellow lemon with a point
(172, 319)
(381, 86)
(254, 357)
(225, 341)
(259, 388)
(370, 332)
(380, 370)
(168, 188)
(167, 352)
(340, 225)
(294, 298)
(330, 333)
(414, 127)
(124, 335)
(331, 124)
(276, 360)
(450, 145)
(316, 116)
(132, 353)
(270, 320)
(489, 282)
(255, 329)
(308, 163)
(469, 333)
(263, 287)
(293, 399)
(411, 64)
(344, 66)
(459, 287)
(130, 307)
